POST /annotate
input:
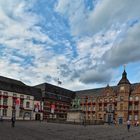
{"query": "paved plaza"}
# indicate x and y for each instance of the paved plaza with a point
(52, 131)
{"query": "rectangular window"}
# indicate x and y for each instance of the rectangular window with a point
(105, 108)
(130, 107)
(130, 117)
(21, 102)
(100, 108)
(14, 102)
(4, 112)
(89, 108)
(27, 104)
(14, 95)
(136, 107)
(22, 96)
(136, 117)
(5, 93)
(93, 108)
(5, 101)
(28, 97)
(121, 98)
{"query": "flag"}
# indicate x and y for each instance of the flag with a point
(59, 82)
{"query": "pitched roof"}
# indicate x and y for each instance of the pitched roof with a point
(95, 92)
(46, 88)
(10, 81)
(16, 86)
(99, 91)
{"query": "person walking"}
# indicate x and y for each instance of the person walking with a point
(128, 125)
(13, 121)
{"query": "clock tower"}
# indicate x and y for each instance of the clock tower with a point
(123, 98)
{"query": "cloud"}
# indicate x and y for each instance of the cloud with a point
(22, 42)
(80, 43)
(127, 51)
(98, 76)
(105, 14)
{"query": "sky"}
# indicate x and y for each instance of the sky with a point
(83, 43)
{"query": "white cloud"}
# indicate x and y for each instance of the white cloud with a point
(127, 51)
(100, 37)
(106, 14)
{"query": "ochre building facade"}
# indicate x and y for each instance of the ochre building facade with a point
(112, 103)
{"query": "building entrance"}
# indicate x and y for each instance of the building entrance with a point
(37, 117)
(120, 120)
(110, 118)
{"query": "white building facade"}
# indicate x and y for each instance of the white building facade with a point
(24, 105)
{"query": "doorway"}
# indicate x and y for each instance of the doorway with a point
(37, 117)
(120, 120)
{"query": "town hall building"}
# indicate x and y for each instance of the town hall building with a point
(112, 103)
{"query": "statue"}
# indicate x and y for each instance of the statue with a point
(76, 103)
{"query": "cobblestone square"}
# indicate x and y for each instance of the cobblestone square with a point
(52, 131)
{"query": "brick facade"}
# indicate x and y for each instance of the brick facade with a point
(117, 103)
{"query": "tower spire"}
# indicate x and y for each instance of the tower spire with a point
(124, 66)
(124, 79)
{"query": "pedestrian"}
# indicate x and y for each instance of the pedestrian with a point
(1, 118)
(137, 123)
(128, 125)
(13, 121)
(115, 122)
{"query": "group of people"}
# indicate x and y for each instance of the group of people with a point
(136, 123)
